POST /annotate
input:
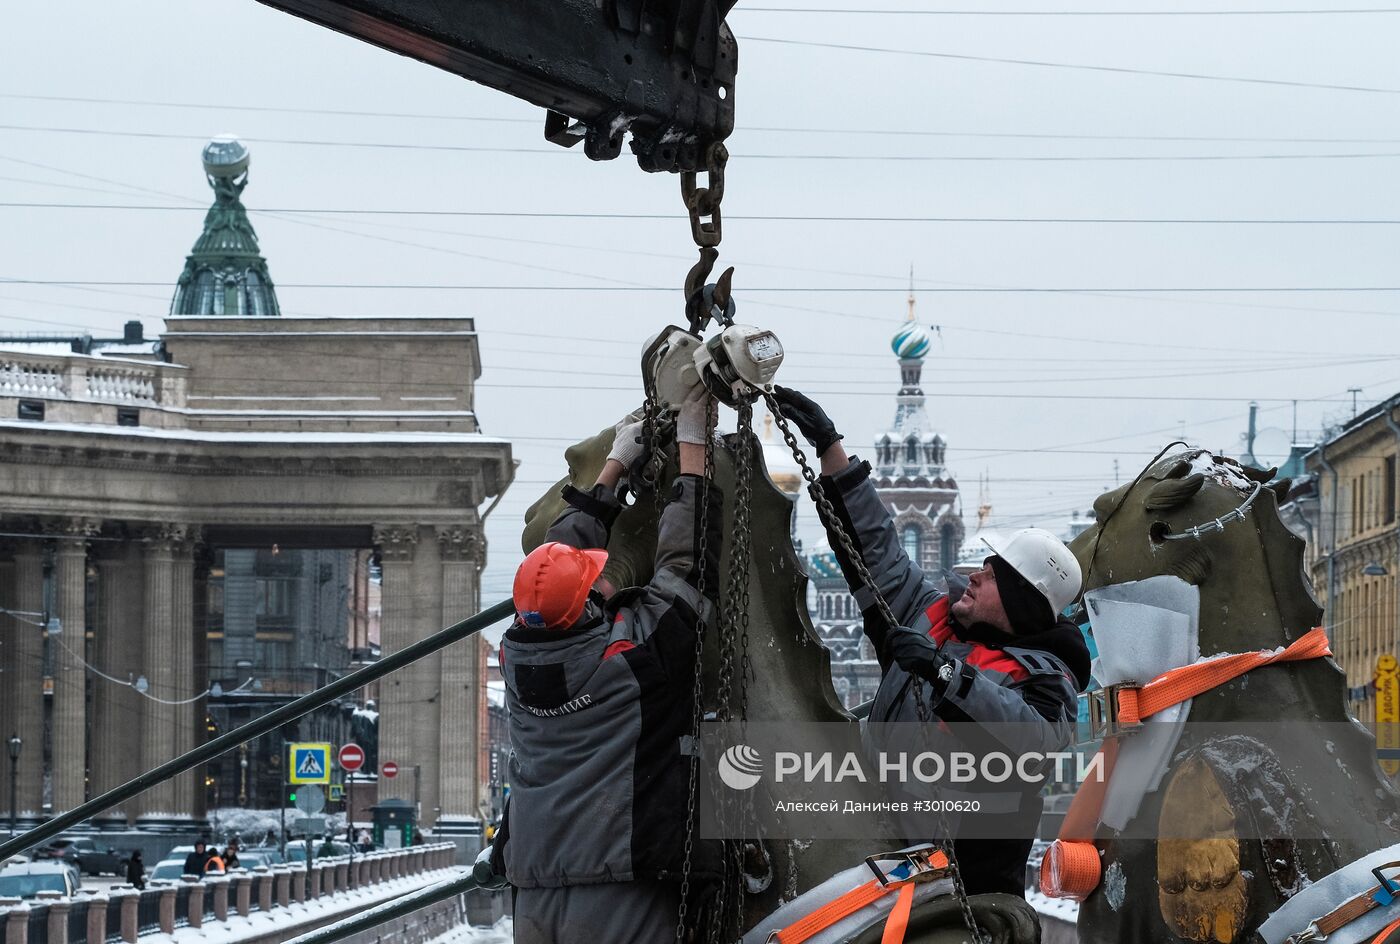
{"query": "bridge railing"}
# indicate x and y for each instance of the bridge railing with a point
(252, 901)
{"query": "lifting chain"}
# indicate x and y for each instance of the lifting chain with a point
(697, 691)
(829, 519)
(706, 224)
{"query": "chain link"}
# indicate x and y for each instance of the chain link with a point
(827, 513)
(697, 689)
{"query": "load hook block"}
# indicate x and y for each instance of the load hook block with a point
(713, 301)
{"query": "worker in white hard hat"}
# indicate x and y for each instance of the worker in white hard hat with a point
(995, 664)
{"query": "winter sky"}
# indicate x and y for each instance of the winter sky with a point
(1040, 391)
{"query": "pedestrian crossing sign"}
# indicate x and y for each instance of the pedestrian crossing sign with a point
(310, 763)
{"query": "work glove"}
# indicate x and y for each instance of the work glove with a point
(917, 654)
(692, 422)
(810, 418)
(627, 440)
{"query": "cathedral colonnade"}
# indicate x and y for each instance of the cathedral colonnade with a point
(103, 665)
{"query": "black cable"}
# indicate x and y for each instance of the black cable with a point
(1040, 63)
(994, 158)
(749, 217)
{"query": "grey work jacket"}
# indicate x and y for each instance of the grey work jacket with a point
(1024, 693)
(598, 711)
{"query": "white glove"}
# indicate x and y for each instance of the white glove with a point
(692, 422)
(627, 445)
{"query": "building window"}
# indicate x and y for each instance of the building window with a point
(911, 451)
(912, 539)
(947, 551)
(1388, 490)
(31, 410)
(128, 416)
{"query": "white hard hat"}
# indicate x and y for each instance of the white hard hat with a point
(1044, 561)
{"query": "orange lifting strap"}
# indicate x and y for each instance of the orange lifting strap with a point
(1070, 868)
(896, 923)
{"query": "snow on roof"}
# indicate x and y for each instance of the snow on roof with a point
(203, 436)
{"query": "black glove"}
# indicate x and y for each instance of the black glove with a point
(917, 654)
(810, 418)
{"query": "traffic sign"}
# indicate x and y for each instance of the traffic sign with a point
(311, 800)
(390, 769)
(351, 757)
(309, 763)
(308, 826)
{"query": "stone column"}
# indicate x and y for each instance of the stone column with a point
(27, 657)
(262, 881)
(58, 920)
(9, 664)
(16, 921)
(218, 887)
(129, 903)
(167, 909)
(97, 919)
(114, 750)
(299, 885)
(242, 892)
(460, 552)
(196, 901)
(282, 880)
(401, 715)
(170, 668)
(69, 772)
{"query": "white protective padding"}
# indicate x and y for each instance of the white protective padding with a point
(1142, 629)
(832, 889)
(1325, 894)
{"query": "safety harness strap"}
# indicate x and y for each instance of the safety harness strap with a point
(838, 909)
(1070, 868)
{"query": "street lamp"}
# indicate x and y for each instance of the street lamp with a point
(14, 743)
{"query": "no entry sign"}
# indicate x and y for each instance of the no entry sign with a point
(351, 757)
(390, 769)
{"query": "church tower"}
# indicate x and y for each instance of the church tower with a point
(913, 481)
(225, 274)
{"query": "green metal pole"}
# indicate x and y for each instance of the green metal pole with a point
(253, 729)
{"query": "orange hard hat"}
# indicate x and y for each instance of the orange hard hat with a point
(552, 584)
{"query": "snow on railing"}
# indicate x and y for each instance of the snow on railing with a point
(32, 377)
(93, 379)
(244, 904)
(121, 384)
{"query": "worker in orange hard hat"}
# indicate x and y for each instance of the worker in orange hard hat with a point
(600, 687)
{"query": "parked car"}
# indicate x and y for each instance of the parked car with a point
(168, 870)
(252, 858)
(296, 851)
(28, 879)
(86, 855)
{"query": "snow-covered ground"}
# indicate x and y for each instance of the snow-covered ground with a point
(498, 933)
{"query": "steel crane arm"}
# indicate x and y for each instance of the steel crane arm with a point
(661, 69)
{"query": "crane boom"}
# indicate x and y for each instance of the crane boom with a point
(662, 70)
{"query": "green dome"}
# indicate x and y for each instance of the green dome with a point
(225, 274)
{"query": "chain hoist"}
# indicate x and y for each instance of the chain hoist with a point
(697, 690)
(833, 524)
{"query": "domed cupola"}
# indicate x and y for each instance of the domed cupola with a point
(225, 274)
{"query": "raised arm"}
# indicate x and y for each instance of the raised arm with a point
(863, 516)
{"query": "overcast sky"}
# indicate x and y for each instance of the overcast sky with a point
(1041, 392)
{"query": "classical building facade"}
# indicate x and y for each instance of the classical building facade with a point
(202, 529)
(1348, 514)
(909, 461)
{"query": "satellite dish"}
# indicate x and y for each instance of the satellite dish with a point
(1272, 447)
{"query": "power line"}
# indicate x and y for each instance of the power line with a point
(888, 12)
(768, 129)
(748, 217)
(783, 289)
(918, 158)
(1045, 64)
